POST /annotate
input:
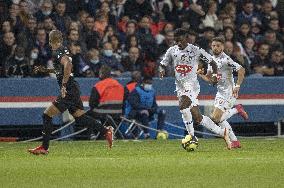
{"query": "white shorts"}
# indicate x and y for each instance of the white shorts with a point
(191, 92)
(224, 103)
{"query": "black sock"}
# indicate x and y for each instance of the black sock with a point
(90, 123)
(47, 128)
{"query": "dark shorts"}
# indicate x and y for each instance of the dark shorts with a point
(72, 101)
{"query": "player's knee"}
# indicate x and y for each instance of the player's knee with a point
(185, 102)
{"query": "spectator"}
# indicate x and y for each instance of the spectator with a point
(248, 13)
(105, 10)
(7, 49)
(205, 39)
(61, 20)
(74, 37)
(48, 24)
(106, 96)
(92, 37)
(195, 13)
(24, 12)
(161, 36)
(17, 65)
(167, 43)
(260, 62)
(46, 9)
(244, 32)
(277, 63)
(133, 62)
(141, 105)
(211, 19)
(41, 44)
(146, 39)
(116, 47)
(270, 37)
(249, 47)
(129, 31)
(36, 64)
(131, 41)
(80, 66)
(101, 24)
(136, 9)
(27, 36)
(117, 9)
(110, 60)
(94, 61)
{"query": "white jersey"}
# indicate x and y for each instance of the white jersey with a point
(225, 78)
(185, 62)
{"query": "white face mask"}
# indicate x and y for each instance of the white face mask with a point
(19, 58)
(94, 61)
(16, 1)
(108, 53)
(34, 55)
(46, 13)
(148, 87)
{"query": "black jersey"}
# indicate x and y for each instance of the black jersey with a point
(58, 67)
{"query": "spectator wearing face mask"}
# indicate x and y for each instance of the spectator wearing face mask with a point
(17, 65)
(94, 61)
(110, 60)
(36, 64)
(45, 10)
(141, 105)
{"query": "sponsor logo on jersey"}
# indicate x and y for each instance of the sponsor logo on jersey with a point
(183, 70)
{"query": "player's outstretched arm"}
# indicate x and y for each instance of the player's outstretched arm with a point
(241, 76)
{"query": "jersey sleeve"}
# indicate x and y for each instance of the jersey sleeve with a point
(167, 58)
(233, 64)
(204, 56)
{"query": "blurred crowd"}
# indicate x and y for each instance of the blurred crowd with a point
(133, 35)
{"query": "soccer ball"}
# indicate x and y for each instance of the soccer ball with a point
(162, 135)
(189, 143)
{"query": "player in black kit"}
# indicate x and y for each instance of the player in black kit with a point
(69, 98)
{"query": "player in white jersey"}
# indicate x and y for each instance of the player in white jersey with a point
(227, 91)
(185, 58)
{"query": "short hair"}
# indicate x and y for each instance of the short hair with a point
(55, 36)
(131, 22)
(180, 32)
(219, 39)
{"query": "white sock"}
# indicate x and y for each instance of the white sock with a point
(229, 113)
(210, 125)
(225, 124)
(187, 119)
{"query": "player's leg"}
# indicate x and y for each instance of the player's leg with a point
(216, 117)
(84, 120)
(238, 109)
(210, 125)
(184, 105)
(47, 116)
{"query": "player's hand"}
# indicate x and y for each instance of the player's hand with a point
(162, 72)
(214, 80)
(63, 91)
(236, 92)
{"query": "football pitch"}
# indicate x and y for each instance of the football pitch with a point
(259, 163)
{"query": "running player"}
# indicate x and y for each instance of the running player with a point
(185, 58)
(227, 91)
(69, 98)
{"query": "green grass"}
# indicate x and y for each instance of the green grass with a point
(260, 163)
